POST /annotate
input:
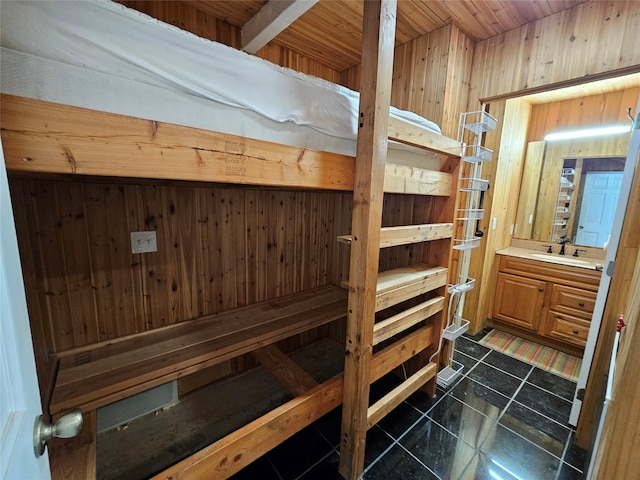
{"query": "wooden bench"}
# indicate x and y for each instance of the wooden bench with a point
(95, 376)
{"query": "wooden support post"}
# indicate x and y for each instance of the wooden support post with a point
(379, 23)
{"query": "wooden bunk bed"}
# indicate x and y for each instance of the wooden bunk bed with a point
(41, 138)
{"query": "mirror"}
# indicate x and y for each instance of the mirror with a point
(570, 190)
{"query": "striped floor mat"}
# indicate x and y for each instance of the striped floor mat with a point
(546, 358)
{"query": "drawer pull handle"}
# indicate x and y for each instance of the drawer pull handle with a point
(541, 289)
(575, 332)
(581, 304)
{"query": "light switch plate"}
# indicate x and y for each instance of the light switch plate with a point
(144, 242)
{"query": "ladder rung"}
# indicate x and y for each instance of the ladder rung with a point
(400, 284)
(393, 325)
(399, 352)
(405, 132)
(403, 235)
(395, 397)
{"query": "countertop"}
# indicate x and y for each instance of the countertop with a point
(541, 256)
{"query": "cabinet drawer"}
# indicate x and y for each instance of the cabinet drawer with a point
(572, 301)
(573, 276)
(568, 328)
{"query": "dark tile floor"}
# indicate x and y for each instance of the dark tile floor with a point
(502, 419)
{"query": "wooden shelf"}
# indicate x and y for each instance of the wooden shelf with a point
(403, 235)
(93, 377)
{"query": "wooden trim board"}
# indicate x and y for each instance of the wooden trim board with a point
(43, 137)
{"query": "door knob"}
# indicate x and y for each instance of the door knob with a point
(68, 426)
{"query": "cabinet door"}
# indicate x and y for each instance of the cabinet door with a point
(519, 301)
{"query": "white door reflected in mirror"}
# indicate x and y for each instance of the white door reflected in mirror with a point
(599, 200)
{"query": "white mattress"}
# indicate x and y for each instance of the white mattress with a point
(103, 56)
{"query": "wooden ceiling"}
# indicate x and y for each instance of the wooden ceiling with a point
(330, 32)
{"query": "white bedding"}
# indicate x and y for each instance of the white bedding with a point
(103, 56)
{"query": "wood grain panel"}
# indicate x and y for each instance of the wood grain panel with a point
(583, 112)
(190, 19)
(590, 39)
(213, 24)
(42, 137)
(456, 86)
(85, 286)
(619, 459)
(379, 20)
(218, 248)
(419, 74)
(331, 32)
(399, 210)
(75, 458)
(529, 189)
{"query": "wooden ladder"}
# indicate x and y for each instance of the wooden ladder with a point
(370, 291)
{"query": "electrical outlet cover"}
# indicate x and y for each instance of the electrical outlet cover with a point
(143, 242)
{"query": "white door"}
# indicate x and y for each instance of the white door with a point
(599, 201)
(19, 393)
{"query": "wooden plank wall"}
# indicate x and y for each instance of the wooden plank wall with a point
(529, 187)
(591, 111)
(456, 93)
(195, 21)
(218, 248)
(617, 457)
(590, 39)
(420, 74)
(430, 76)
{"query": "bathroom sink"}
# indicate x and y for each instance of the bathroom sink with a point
(563, 260)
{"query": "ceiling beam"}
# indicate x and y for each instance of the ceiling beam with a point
(273, 18)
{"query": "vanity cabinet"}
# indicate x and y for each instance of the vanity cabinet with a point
(551, 304)
(519, 300)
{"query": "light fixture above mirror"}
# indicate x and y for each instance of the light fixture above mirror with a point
(588, 132)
